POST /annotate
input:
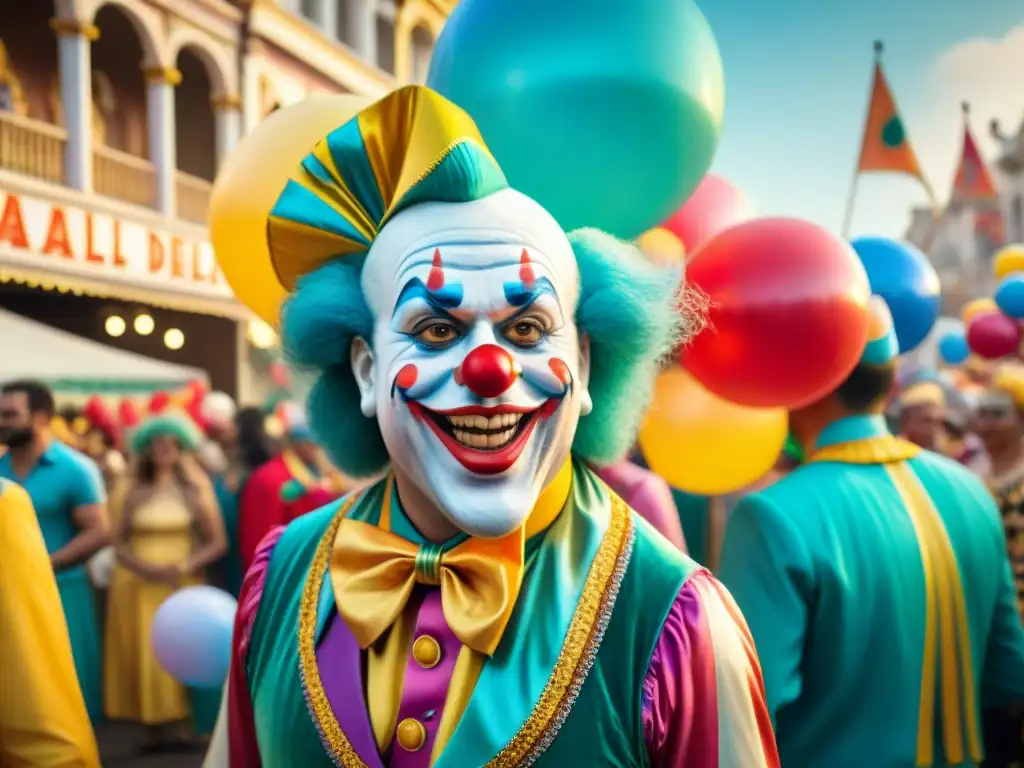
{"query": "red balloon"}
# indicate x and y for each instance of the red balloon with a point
(159, 403)
(789, 313)
(128, 413)
(993, 335)
(715, 206)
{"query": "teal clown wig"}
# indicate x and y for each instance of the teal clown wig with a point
(415, 147)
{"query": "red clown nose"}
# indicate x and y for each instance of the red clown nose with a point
(488, 371)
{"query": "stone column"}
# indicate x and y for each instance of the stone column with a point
(327, 18)
(160, 113)
(362, 26)
(75, 62)
(227, 110)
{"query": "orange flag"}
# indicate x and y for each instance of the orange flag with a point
(885, 146)
(973, 181)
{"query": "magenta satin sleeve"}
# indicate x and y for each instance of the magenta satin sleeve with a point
(649, 496)
(242, 745)
(703, 700)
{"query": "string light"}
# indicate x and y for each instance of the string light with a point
(174, 339)
(144, 324)
(115, 326)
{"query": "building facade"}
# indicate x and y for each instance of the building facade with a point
(115, 116)
(985, 211)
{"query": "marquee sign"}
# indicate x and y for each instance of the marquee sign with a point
(71, 241)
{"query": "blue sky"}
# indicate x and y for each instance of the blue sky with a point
(797, 76)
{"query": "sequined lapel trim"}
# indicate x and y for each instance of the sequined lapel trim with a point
(334, 741)
(579, 650)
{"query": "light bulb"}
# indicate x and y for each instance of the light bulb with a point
(262, 335)
(144, 324)
(115, 326)
(174, 338)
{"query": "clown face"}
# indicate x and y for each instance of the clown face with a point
(476, 373)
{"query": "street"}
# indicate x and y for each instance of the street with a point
(119, 748)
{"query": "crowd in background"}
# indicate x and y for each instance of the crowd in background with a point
(131, 513)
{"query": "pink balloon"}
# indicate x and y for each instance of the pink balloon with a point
(993, 335)
(715, 206)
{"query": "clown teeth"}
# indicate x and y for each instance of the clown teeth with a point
(498, 421)
(478, 440)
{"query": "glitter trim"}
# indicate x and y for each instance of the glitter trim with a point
(579, 650)
(334, 741)
(582, 642)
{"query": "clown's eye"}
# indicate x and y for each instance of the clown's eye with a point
(525, 333)
(436, 333)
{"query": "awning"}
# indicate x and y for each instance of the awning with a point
(70, 363)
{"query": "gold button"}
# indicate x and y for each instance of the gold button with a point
(427, 651)
(411, 735)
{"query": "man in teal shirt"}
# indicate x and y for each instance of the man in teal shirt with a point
(875, 582)
(67, 492)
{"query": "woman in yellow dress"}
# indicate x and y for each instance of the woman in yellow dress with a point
(168, 530)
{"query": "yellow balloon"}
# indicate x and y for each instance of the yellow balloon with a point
(706, 445)
(975, 307)
(249, 184)
(1008, 260)
(662, 246)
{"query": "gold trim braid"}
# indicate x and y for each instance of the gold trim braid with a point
(582, 641)
(339, 749)
(579, 650)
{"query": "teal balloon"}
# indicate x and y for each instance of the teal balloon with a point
(607, 113)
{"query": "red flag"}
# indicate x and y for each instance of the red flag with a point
(973, 181)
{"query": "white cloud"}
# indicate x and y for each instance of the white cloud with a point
(987, 73)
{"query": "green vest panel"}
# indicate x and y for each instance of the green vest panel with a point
(604, 725)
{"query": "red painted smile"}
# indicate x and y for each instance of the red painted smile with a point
(487, 441)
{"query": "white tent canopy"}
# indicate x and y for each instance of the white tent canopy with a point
(31, 350)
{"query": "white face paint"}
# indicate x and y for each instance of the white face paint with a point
(476, 375)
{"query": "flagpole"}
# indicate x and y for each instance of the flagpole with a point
(851, 199)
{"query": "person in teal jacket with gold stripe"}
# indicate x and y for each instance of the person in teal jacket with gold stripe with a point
(876, 585)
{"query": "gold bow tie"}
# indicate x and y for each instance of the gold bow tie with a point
(373, 573)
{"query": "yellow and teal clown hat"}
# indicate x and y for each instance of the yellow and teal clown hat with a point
(412, 146)
(882, 347)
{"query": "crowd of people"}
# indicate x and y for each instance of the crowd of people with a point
(129, 515)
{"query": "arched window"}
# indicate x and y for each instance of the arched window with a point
(422, 49)
(12, 98)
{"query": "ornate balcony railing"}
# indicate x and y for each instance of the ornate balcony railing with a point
(32, 147)
(124, 176)
(193, 196)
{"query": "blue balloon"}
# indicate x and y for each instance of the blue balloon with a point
(953, 347)
(191, 636)
(607, 113)
(1009, 296)
(903, 276)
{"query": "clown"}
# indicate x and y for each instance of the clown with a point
(489, 601)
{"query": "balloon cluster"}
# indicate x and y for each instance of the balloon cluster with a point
(992, 326)
(787, 322)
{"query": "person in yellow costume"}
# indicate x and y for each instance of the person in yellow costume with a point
(43, 722)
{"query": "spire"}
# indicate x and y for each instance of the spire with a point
(972, 183)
